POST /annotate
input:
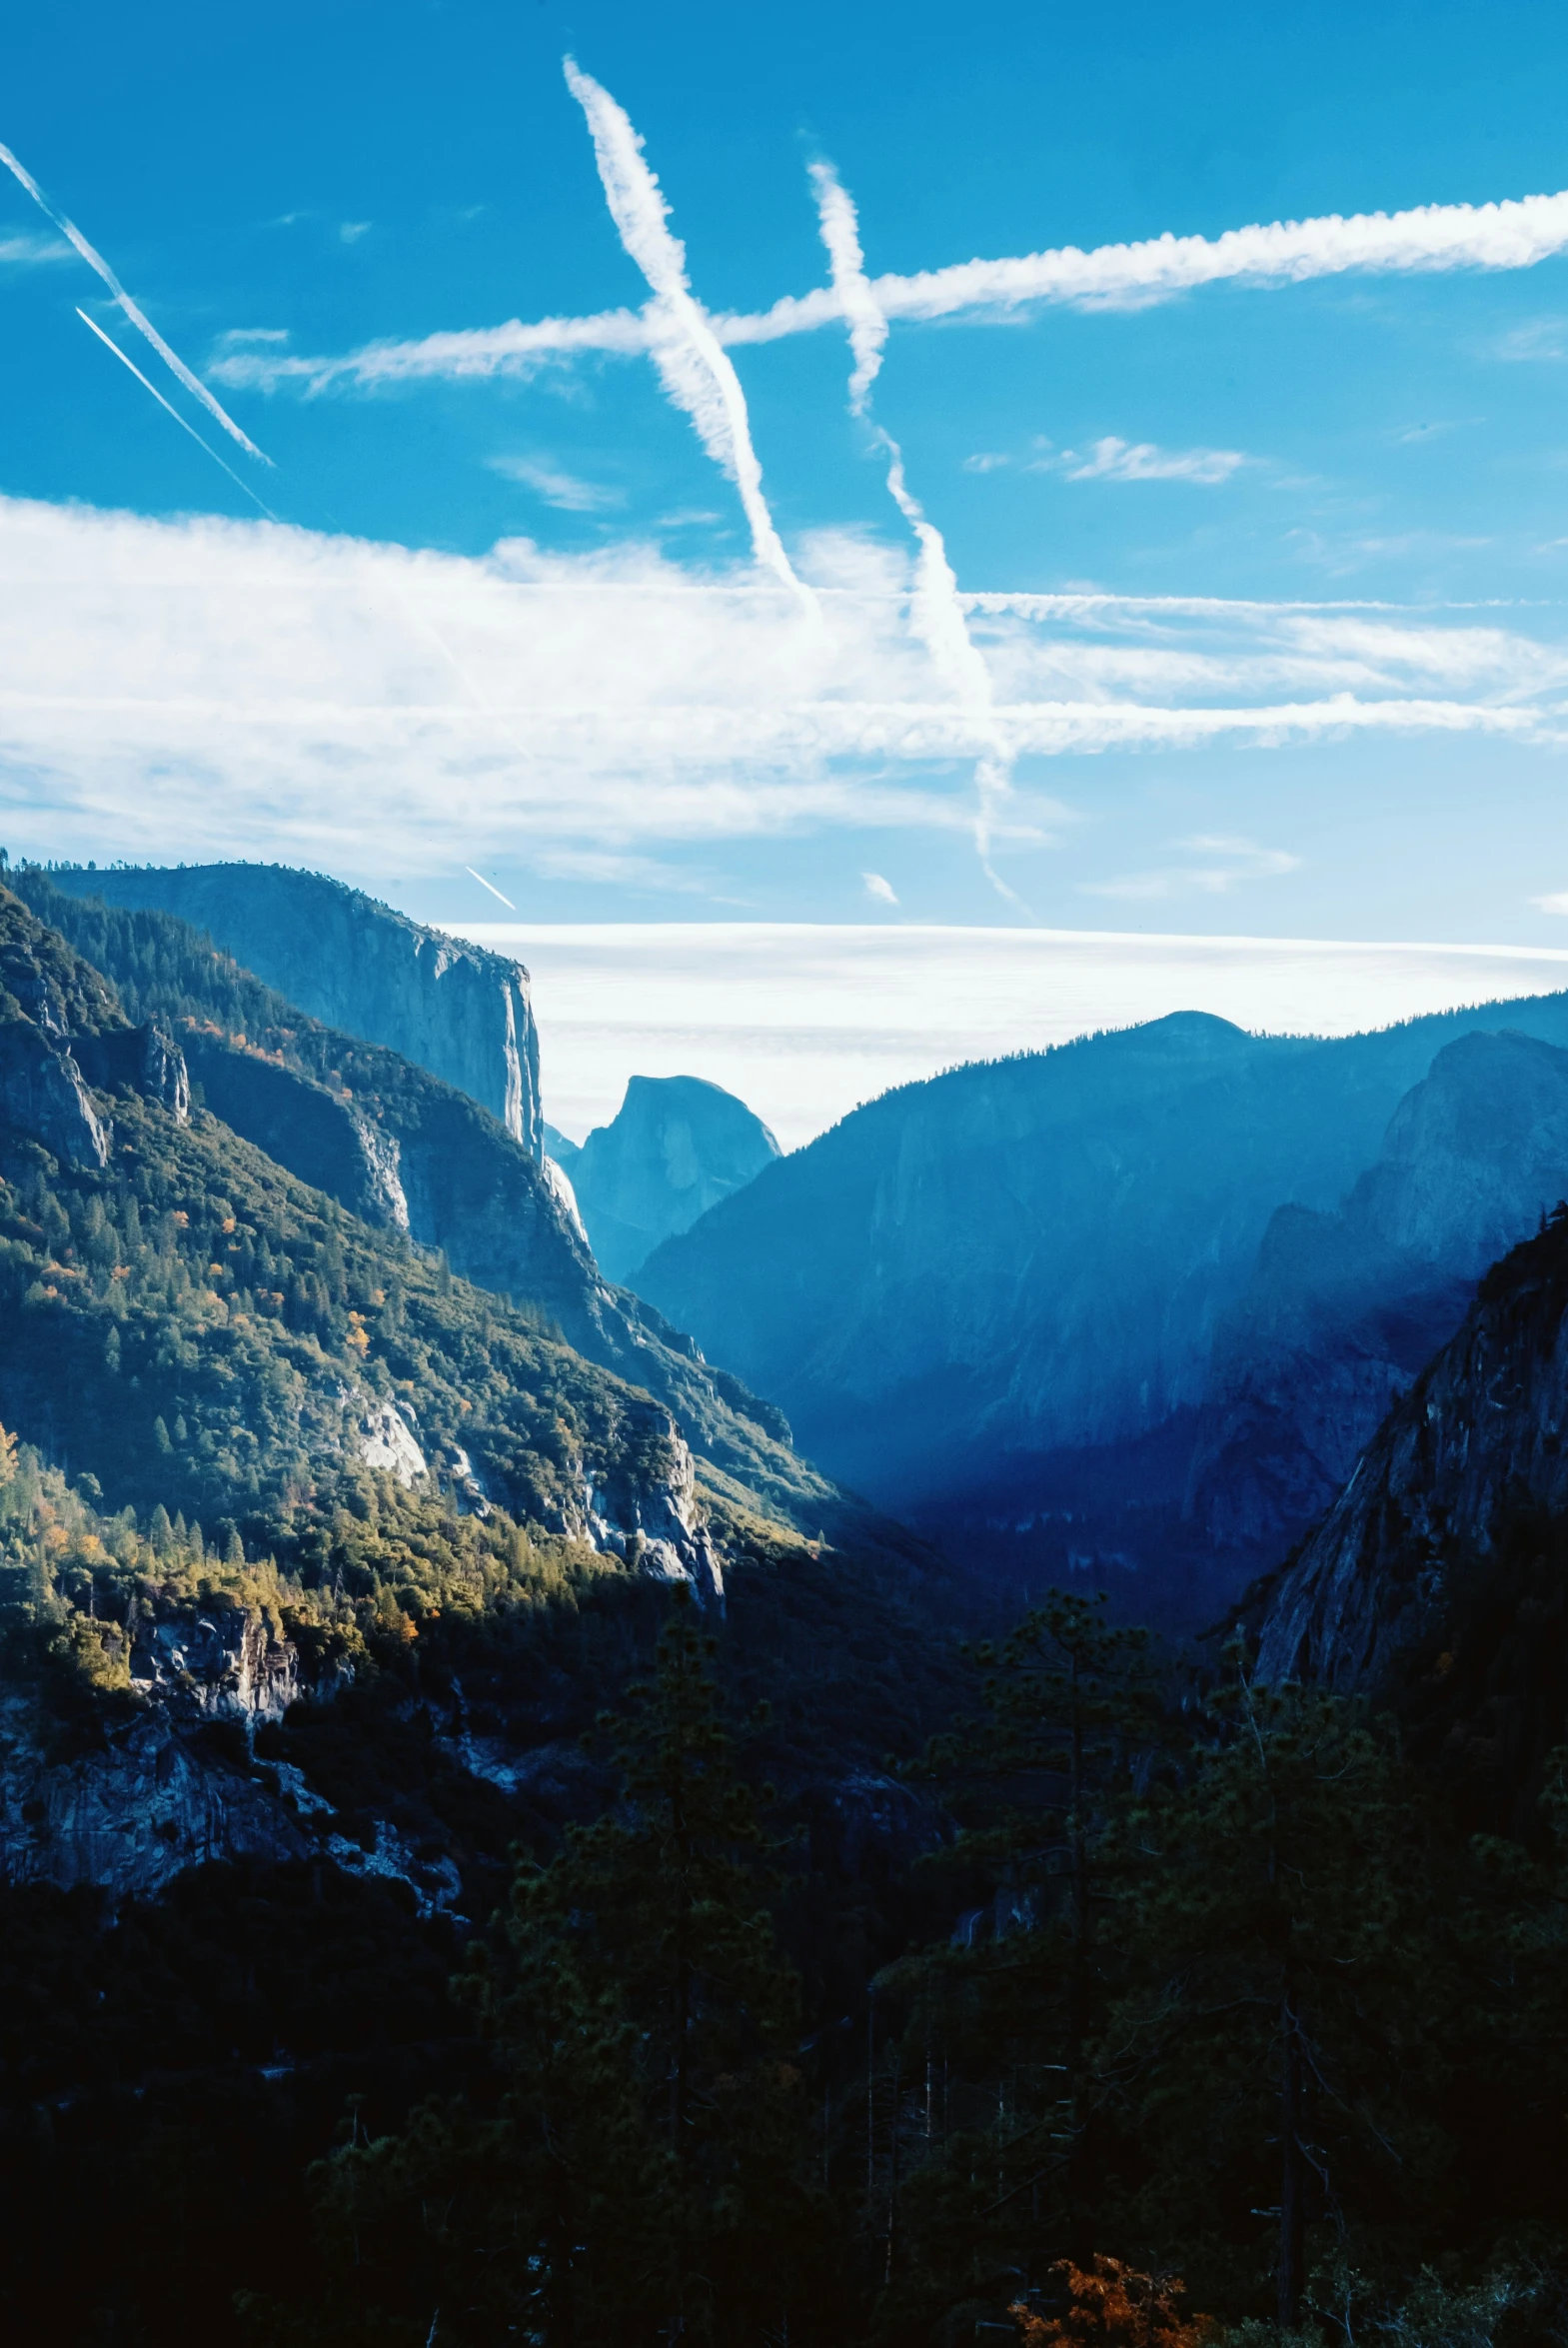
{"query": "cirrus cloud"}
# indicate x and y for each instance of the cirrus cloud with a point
(205, 687)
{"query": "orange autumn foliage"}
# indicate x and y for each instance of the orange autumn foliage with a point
(1113, 2307)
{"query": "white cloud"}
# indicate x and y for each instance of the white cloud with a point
(234, 337)
(351, 231)
(1119, 460)
(1557, 903)
(1229, 862)
(1433, 236)
(556, 487)
(985, 460)
(203, 686)
(25, 252)
(881, 890)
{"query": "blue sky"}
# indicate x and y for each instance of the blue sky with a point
(1304, 546)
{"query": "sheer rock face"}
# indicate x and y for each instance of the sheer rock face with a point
(144, 1059)
(386, 1441)
(676, 1147)
(457, 1009)
(1478, 1440)
(657, 1524)
(153, 1796)
(42, 1095)
(316, 1135)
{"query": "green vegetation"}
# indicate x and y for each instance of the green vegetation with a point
(835, 1988)
(200, 1329)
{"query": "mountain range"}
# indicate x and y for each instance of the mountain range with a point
(343, 1490)
(1131, 1306)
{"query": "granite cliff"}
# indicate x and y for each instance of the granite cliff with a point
(407, 1152)
(676, 1147)
(1438, 1580)
(356, 965)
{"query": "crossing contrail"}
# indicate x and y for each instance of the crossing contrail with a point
(937, 608)
(96, 329)
(697, 370)
(1429, 239)
(142, 323)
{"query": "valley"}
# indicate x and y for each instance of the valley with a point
(755, 1708)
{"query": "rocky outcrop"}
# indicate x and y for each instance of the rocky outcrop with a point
(229, 1663)
(385, 1440)
(42, 1096)
(144, 1059)
(154, 1792)
(1477, 1447)
(317, 1133)
(455, 1008)
(676, 1147)
(655, 1525)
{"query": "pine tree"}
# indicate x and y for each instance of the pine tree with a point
(1288, 1957)
(664, 1903)
(1068, 1717)
(645, 2177)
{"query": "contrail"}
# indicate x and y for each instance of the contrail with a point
(138, 318)
(1517, 233)
(109, 341)
(937, 609)
(490, 885)
(864, 316)
(696, 369)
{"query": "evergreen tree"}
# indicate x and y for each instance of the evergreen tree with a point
(1290, 1973)
(646, 2177)
(1068, 1717)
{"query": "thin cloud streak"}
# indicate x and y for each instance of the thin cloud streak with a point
(1242, 860)
(22, 252)
(840, 227)
(170, 409)
(1513, 234)
(691, 363)
(936, 607)
(1119, 459)
(563, 490)
(138, 318)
